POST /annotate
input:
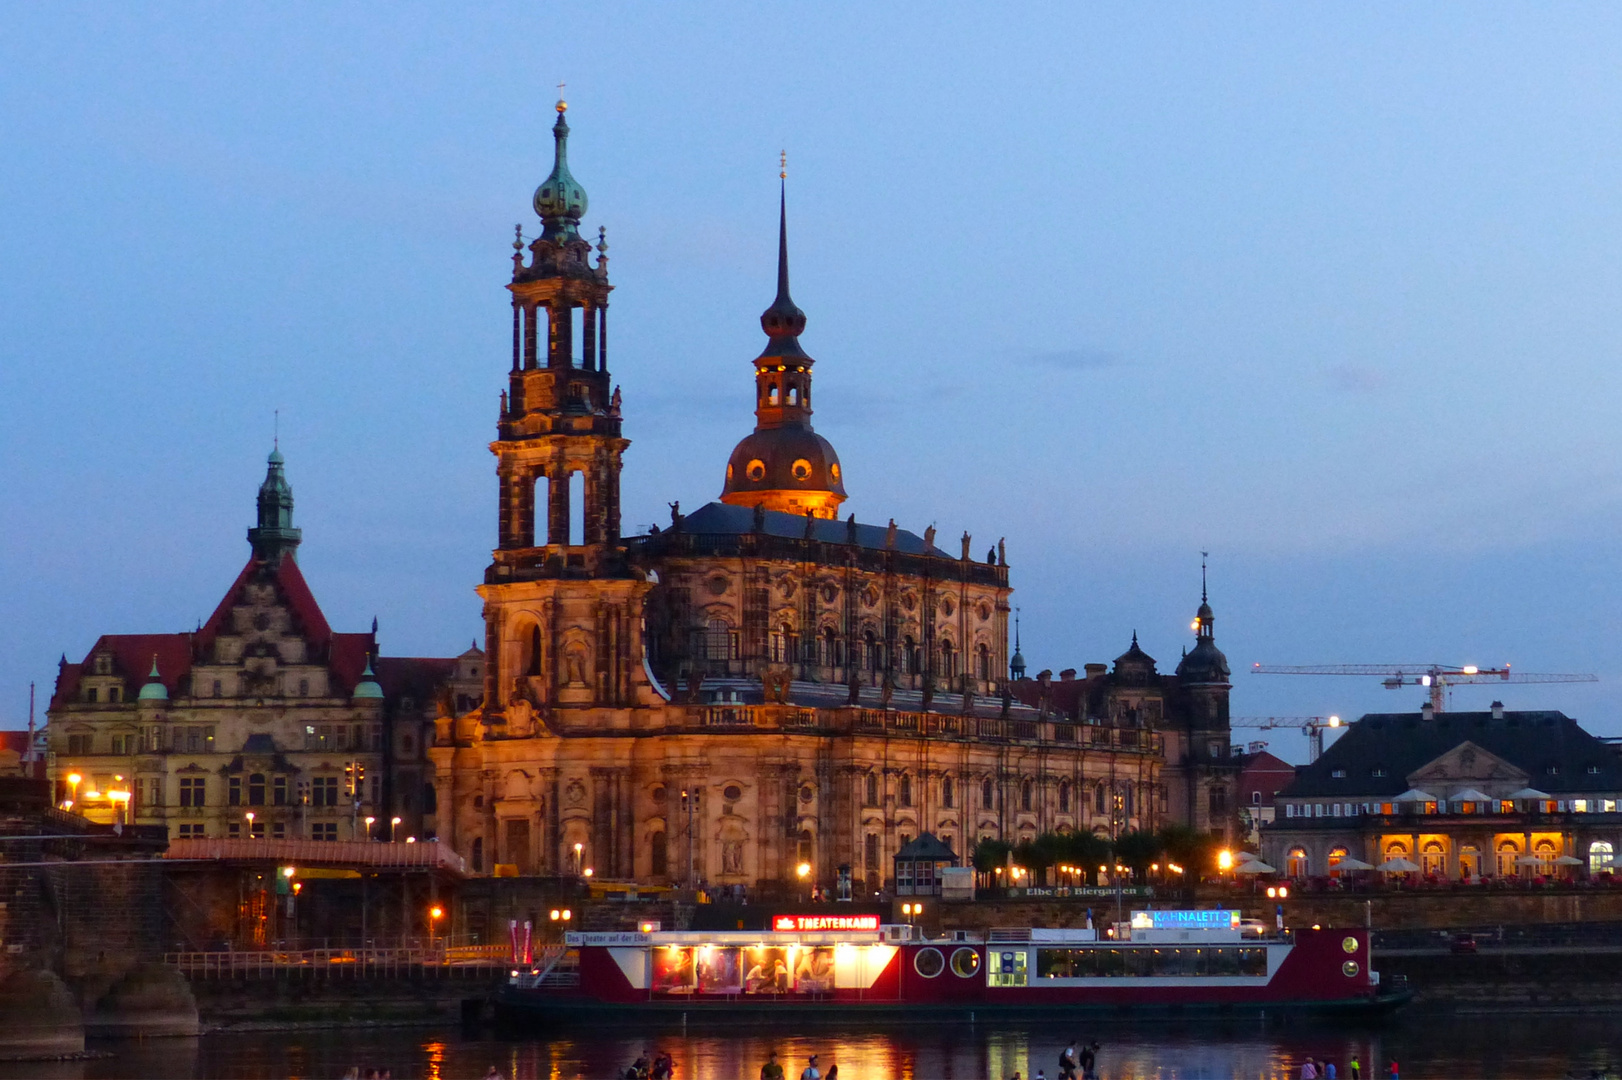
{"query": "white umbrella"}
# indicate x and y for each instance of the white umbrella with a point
(1352, 864)
(1398, 865)
(1254, 866)
(1568, 860)
(1529, 860)
(1529, 793)
(1415, 795)
(1469, 795)
(1246, 856)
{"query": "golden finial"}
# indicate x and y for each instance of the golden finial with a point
(782, 165)
(562, 106)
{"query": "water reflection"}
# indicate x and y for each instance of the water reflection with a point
(1487, 1047)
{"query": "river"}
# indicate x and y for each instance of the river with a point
(1523, 1048)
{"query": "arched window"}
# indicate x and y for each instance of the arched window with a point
(808, 846)
(1026, 795)
(532, 665)
(1599, 857)
(982, 659)
(872, 651)
(946, 792)
(909, 657)
(256, 789)
(477, 855)
(948, 659)
(872, 789)
(793, 395)
(1100, 799)
(717, 640)
(986, 800)
(905, 797)
(1336, 855)
(1064, 796)
(659, 863)
(771, 394)
(1295, 864)
(278, 791)
(1508, 852)
(1469, 861)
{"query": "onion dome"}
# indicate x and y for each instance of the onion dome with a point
(154, 690)
(1204, 663)
(368, 689)
(560, 200)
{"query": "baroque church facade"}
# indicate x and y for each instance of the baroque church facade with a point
(761, 685)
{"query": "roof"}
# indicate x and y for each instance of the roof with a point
(1399, 744)
(720, 519)
(926, 848)
(338, 853)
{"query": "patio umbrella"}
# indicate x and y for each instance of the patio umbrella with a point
(1470, 795)
(1528, 860)
(1568, 860)
(1529, 793)
(1353, 864)
(1246, 856)
(1415, 795)
(1399, 865)
(1254, 866)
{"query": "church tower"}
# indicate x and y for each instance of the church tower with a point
(784, 465)
(1204, 770)
(562, 606)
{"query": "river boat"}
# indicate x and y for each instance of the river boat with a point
(852, 967)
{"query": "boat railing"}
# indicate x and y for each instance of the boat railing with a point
(556, 967)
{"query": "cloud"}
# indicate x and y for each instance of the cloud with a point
(1353, 379)
(1076, 359)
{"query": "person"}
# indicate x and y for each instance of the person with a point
(1327, 1070)
(1067, 1063)
(492, 1073)
(771, 1070)
(1356, 1065)
(1089, 1061)
(811, 1072)
(353, 1073)
(664, 1067)
(1394, 1072)
(833, 1072)
(1309, 1071)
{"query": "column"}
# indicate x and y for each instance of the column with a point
(588, 346)
(517, 336)
(529, 336)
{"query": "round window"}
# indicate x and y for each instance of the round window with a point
(659, 795)
(807, 794)
(801, 469)
(965, 962)
(755, 470)
(929, 962)
(1348, 944)
(946, 607)
(833, 471)
(732, 793)
(1349, 969)
(830, 593)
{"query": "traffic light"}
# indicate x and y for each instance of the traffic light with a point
(349, 778)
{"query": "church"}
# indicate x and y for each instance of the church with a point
(761, 692)
(758, 695)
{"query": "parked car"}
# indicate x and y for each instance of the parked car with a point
(1463, 943)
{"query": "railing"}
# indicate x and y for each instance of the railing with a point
(951, 725)
(340, 963)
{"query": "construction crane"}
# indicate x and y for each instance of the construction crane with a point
(1311, 726)
(1435, 677)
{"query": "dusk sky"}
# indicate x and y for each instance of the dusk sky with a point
(1334, 293)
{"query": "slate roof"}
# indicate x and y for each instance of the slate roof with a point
(927, 847)
(721, 519)
(1400, 743)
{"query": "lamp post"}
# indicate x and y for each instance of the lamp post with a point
(579, 858)
(74, 779)
(370, 821)
(803, 872)
(249, 816)
(394, 823)
(435, 913)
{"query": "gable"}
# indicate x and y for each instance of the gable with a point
(1467, 765)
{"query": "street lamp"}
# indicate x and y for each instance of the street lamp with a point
(369, 823)
(73, 788)
(249, 816)
(578, 850)
(435, 913)
(394, 823)
(1224, 860)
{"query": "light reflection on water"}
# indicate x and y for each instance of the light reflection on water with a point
(1486, 1047)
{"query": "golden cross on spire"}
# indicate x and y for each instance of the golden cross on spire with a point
(782, 165)
(562, 105)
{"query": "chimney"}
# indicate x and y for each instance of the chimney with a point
(1498, 710)
(1426, 712)
(1067, 675)
(1095, 670)
(1044, 676)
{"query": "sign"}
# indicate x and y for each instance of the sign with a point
(825, 922)
(1204, 919)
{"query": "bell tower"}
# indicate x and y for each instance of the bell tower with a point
(562, 606)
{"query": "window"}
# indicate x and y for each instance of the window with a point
(278, 791)
(258, 830)
(946, 792)
(193, 791)
(256, 789)
(1599, 857)
(476, 857)
(1593, 770)
(660, 856)
(322, 830)
(1255, 798)
(278, 830)
(234, 830)
(1064, 796)
(906, 791)
(233, 791)
(1099, 798)
(219, 688)
(90, 695)
(80, 744)
(986, 799)
(732, 793)
(1218, 800)
(870, 854)
(1376, 772)
(324, 791)
(1552, 770)
(192, 831)
(872, 793)
(1026, 792)
(1338, 774)
(112, 694)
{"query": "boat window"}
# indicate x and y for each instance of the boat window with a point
(929, 962)
(1150, 962)
(965, 962)
(1007, 968)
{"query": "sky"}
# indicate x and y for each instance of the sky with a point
(1329, 292)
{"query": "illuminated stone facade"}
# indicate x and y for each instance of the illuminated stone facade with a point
(760, 685)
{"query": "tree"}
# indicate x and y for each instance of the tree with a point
(1191, 849)
(989, 854)
(1087, 850)
(1137, 848)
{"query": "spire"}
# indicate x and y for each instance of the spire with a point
(274, 535)
(560, 200)
(1204, 618)
(1016, 666)
(1203, 556)
(154, 690)
(783, 321)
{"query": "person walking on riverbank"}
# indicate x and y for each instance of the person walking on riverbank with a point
(1309, 1071)
(771, 1070)
(811, 1072)
(1356, 1065)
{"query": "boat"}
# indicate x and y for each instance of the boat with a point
(853, 967)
